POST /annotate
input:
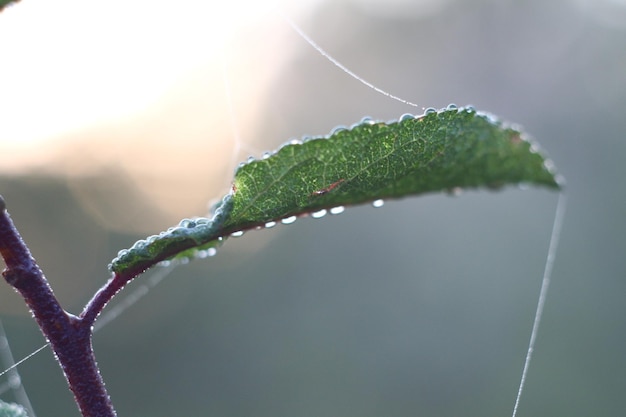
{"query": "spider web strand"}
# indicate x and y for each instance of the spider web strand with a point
(14, 382)
(545, 284)
(339, 65)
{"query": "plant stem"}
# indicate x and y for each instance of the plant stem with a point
(69, 336)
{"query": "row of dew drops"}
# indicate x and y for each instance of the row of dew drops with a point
(316, 215)
(364, 121)
(212, 251)
(205, 253)
(335, 210)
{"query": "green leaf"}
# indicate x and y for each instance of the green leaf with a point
(439, 151)
(12, 410)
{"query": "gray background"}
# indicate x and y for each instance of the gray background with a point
(421, 308)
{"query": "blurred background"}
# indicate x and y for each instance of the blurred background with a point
(116, 124)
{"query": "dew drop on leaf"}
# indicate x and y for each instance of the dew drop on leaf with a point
(269, 225)
(430, 110)
(337, 210)
(378, 203)
(319, 214)
(206, 253)
(288, 220)
(338, 129)
(187, 223)
(534, 148)
(237, 234)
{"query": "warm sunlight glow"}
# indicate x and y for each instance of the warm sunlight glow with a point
(70, 63)
(138, 91)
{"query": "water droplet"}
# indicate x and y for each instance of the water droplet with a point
(549, 166)
(337, 210)
(319, 214)
(288, 220)
(366, 121)
(266, 155)
(251, 159)
(470, 109)
(295, 142)
(237, 234)
(338, 129)
(406, 116)
(430, 110)
(187, 223)
(378, 203)
(452, 106)
(202, 254)
(269, 225)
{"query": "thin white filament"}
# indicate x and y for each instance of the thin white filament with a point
(24, 359)
(14, 380)
(234, 121)
(112, 313)
(234, 126)
(543, 293)
(154, 279)
(339, 65)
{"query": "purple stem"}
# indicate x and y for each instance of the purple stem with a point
(69, 336)
(103, 296)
